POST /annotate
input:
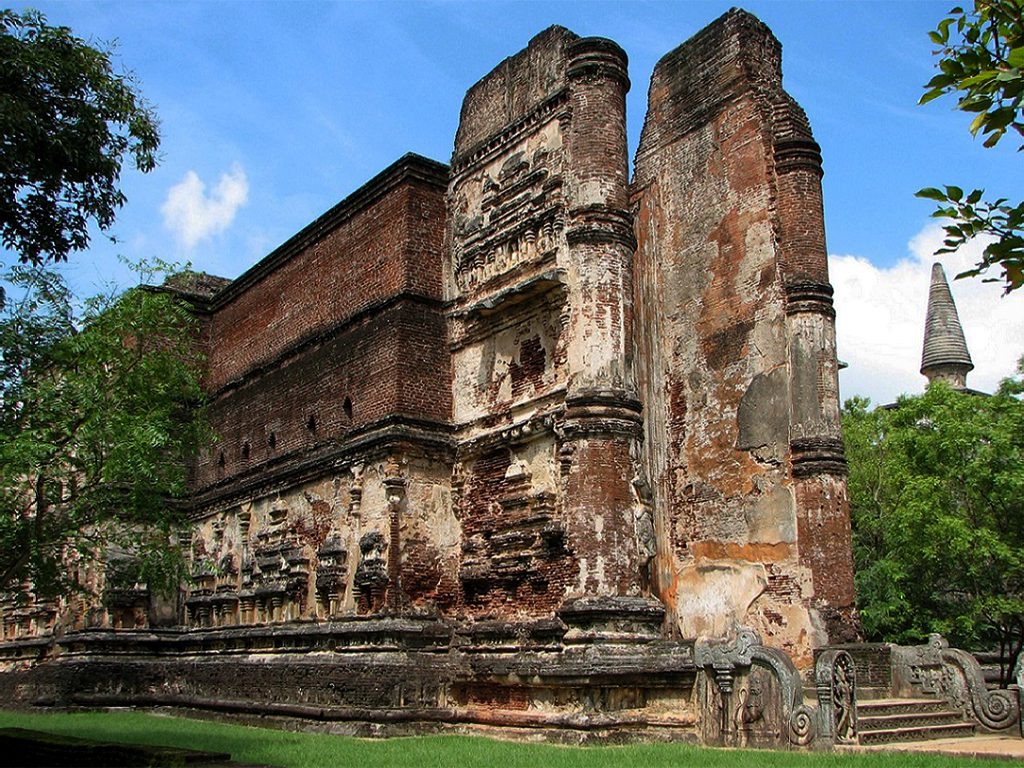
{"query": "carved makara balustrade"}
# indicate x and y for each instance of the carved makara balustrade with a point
(936, 670)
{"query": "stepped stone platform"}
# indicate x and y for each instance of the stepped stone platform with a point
(885, 721)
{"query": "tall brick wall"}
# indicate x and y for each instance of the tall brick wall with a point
(338, 328)
(380, 366)
(330, 381)
(383, 240)
(736, 348)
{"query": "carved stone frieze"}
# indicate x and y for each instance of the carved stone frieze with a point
(371, 577)
(331, 575)
(520, 433)
(555, 107)
(511, 216)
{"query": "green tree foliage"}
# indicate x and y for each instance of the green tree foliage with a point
(67, 122)
(937, 504)
(99, 416)
(982, 63)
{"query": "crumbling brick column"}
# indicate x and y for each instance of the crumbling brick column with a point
(737, 347)
(816, 444)
(602, 418)
(540, 249)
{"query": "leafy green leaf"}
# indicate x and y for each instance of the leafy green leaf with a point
(931, 193)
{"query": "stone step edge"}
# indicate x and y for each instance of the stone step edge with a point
(891, 722)
(879, 703)
(935, 707)
(923, 733)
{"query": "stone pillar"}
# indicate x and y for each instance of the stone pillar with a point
(600, 229)
(816, 444)
(603, 416)
(395, 482)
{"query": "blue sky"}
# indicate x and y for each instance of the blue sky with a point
(273, 111)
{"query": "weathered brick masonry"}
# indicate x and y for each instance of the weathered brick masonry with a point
(737, 349)
(500, 441)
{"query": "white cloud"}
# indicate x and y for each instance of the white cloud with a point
(880, 319)
(193, 215)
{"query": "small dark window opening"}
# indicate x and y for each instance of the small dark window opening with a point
(347, 407)
(272, 441)
(220, 459)
(245, 449)
(311, 423)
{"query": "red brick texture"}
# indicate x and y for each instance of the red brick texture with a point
(736, 337)
(340, 327)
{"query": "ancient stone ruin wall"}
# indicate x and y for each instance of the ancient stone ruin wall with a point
(518, 443)
(545, 407)
(736, 349)
(327, 491)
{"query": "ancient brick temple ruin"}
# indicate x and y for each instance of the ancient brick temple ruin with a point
(518, 442)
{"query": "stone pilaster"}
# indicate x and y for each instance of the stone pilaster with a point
(816, 445)
(602, 415)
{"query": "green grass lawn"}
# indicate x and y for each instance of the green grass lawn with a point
(268, 746)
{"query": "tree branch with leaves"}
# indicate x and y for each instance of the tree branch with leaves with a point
(982, 64)
(67, 123)
(100, 415)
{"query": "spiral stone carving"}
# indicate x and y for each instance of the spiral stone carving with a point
(956, 676)
(724, 658)
(801, 726)
(996, 710)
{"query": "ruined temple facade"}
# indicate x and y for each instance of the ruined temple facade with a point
(522, 381)
(525, 407)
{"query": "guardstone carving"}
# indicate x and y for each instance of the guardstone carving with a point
(767, 704)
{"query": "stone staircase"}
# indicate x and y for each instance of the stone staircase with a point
(888, 721)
